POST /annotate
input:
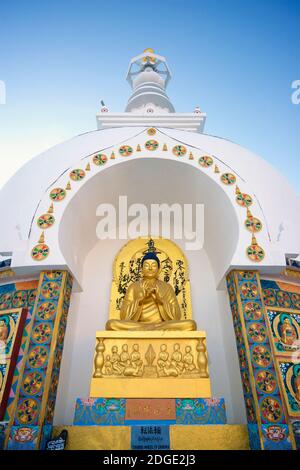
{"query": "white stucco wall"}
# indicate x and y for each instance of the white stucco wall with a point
(89, 313)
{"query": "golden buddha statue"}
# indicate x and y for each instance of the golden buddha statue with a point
(150, 348)
(150, 304)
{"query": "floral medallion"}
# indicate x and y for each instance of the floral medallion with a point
(244, 200)
(40, 251)
(296, 300)
(249, 290)
(205, 161)
(283, 299)
(46, 310)
(266, 381)
(151, 145)
(255, 253)
(271, 409)
(32, 383)
(41, 333)
(57, 194)
(45, 221)
(253, 310)
(257, 332)
(125, 150)
(27, 411)
(77, 174)
(269, 297)
(19, 298)
(253, 224)
(5, 300)
(37, 357)
(228, 178)
(50, 290)
(99, 159)
(179, 150)
(261, 356)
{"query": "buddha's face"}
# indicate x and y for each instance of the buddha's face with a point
(150, 268)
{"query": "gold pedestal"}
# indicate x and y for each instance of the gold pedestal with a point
(150, 364)
(210, 437)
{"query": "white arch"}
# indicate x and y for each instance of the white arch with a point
(218, 197)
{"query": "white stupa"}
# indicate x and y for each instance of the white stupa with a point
(184, 165)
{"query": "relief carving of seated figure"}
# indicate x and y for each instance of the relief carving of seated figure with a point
(150, 304)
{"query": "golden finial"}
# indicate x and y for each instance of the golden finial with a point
(191, 156)
(165, 148)
(149, 59)
(249, 214)
(68, 187)
(112, 155)
(237, 190)
(138, 148)
(42, 238)
(254, 241)
(88, 167)
(51, 209)
(217, 169)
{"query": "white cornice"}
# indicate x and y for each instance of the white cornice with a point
(184, 121)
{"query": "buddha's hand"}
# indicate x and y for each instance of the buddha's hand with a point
(156, 295)
(149, 289)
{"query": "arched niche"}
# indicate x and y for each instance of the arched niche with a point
(147, 182)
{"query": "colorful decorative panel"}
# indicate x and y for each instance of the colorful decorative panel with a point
(18, 295)
(285, 328)
(200, 411)
(116, 412)
(258, 372)
(12, 323)
(281, 295)
(99, 412)
(36, 393)
(291, 379)
(23, 438)
(282, 301)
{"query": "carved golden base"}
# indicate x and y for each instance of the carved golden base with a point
(150, 364)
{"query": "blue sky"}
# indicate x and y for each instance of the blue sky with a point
(236, 59)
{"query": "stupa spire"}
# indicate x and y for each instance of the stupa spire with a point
(148, 75)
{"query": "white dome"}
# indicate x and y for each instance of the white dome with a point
(148, 76)
(27, 192)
